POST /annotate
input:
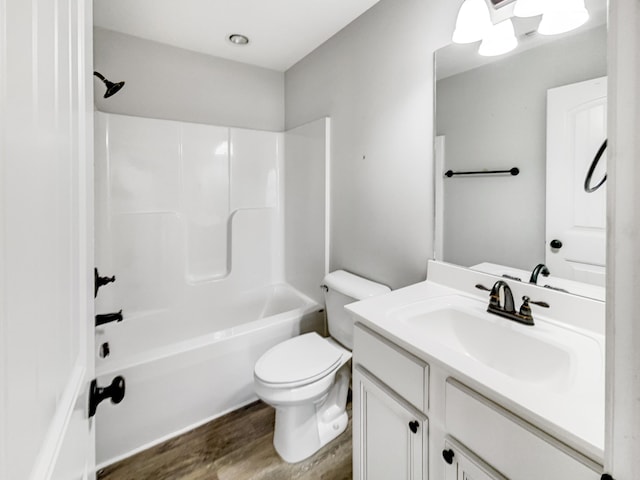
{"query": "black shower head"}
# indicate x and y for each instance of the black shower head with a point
(112, 88)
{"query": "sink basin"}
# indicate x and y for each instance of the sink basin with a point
(550, 374)
(531, 354)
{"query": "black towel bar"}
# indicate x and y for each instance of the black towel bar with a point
(513, 171)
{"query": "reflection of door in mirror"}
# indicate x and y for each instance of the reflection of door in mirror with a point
(576, 220)
(438, 154)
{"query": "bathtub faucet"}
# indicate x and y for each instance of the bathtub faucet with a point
(108, 318)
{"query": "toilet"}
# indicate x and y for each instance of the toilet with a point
(306, 378)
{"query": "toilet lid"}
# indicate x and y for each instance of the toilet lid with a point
(300, 358)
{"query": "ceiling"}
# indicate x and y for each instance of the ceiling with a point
(281, 32)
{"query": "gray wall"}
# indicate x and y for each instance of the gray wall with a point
(375, 80)
(172, 83)
(495, 117)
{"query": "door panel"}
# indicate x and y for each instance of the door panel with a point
(386, 447)
(46, 192)
(576, 128)
(466, 466)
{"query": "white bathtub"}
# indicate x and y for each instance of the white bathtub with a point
(182, 372)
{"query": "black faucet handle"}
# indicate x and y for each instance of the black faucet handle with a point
(494, 295)
(525, 309)
(527, 300)
(99, 281)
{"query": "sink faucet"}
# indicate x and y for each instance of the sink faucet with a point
(540, 269)
(494, 297)
(507, 308)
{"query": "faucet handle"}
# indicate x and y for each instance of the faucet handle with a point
(526, 299)
(494, 295)
(525, 309)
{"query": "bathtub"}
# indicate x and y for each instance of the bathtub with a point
(182, 372)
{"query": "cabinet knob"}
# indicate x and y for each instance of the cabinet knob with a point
(448, 456)
(606, 476)
(414, 426)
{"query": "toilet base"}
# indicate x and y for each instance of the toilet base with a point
(302, 430)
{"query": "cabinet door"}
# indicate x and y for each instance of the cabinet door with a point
(390, 437)
(463, 466)
(510, 444)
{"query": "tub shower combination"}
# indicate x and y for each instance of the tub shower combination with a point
(192, 221)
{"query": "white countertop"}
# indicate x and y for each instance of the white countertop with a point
(573, 413)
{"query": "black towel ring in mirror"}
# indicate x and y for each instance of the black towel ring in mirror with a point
(587, 181)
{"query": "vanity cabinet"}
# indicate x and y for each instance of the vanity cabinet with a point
(511, 445)
(397, 397)
(390, 389)
(391, 435)
(463, 465)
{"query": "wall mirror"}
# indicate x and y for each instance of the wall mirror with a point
(540, 109)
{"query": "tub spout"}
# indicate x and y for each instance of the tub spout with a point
(108, 318)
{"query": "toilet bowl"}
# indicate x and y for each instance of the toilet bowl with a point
(306, 378)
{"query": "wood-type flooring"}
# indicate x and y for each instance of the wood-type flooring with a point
(237, 446)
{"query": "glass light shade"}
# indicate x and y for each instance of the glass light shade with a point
(473, 22)
(562, 16)
(530, 8)
(500, 39)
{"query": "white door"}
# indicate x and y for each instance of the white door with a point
(460, 466)
(46, 249)
(391, 437)
(439, 159)
(576, 220)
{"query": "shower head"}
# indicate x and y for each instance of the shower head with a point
(112, 88)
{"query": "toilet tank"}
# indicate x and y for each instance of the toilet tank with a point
(341, 289)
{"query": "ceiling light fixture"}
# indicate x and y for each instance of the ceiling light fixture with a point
(530, 8)
(238, 39)
(499, 40)
(473, 22)
(561, 16)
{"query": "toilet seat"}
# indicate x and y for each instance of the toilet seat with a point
(298, 361)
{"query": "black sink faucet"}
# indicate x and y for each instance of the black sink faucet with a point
(540, 269)
(494, 297)
(507, 309)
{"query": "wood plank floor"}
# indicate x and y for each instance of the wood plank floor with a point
(237, 446)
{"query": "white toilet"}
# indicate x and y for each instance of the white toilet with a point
(306, 378)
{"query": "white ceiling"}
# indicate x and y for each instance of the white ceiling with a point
(281, 32)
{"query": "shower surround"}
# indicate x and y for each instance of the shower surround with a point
(191, 220)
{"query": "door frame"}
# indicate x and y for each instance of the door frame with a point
(622, 418)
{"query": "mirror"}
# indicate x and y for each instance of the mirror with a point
(492, 113)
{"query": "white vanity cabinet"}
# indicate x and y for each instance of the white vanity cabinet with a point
(392, 436)
(512, 446)
(397, 398)
(389, 396)
(463, 465)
